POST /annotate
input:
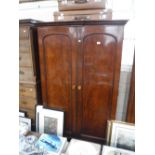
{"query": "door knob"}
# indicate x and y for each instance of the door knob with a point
(73, 86)
(79, 87)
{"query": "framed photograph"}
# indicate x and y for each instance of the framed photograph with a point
(26, 121)
(51, 121)
(38, 110)
(122, 135)
(108, 150)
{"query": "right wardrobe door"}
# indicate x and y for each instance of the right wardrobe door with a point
(97, 79)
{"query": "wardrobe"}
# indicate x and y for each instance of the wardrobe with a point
(80, 68)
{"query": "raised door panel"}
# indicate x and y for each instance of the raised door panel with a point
(56, 67)
(98, 65)
(58, 70)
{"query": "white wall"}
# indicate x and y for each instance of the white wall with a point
(126, 9)
(41, 10)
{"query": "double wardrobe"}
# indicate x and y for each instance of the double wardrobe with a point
(78, 65)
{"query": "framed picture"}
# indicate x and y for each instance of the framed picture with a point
(108, 150)
(26, 121)
(22, 114)
(38, 110)
(122, 135)
(51, 121)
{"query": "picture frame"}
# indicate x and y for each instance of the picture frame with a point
(26, 121)
(121, 135)
(51, 122)
(38, 110)
(108, 132)
(108, 150)
(22, 114)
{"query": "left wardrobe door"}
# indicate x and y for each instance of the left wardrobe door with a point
(55, 52)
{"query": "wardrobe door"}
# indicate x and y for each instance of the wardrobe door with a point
(55, 47)
(96, 82)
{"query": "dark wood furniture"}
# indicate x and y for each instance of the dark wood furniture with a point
(80, 68)
(29, 81)
(131, 101)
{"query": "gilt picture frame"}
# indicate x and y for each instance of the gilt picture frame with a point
(51, 121)
(122, 135)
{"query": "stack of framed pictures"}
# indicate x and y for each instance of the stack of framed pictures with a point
(121, 135)
(24, 123)
(51, 144)
(49, 121)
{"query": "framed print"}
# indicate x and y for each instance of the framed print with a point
(108, 150)
(122, 135)
(51, 121)
(26, 121)
(38, 110)
(22, 114)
